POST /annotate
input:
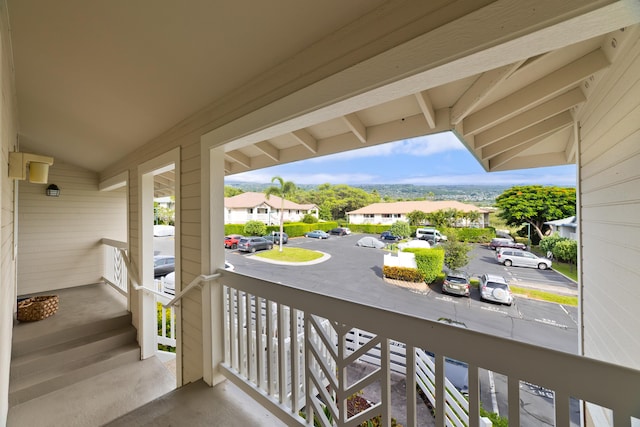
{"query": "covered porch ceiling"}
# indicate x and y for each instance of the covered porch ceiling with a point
(95, 82)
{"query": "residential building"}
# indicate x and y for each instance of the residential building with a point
(565, 227)
(252, 206)
(124, 96)
(388, 213)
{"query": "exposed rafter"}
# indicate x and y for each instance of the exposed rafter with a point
(572, 146)
(269, 149)
(306, 139)
(356, 126)
(426, 106)
(227, 167)
(530, 117)
(529, 134)
(479, 90)
(538, 91)
(240, 157)
(525, 162)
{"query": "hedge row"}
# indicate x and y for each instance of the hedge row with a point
(294, 229)
(402, 273)
(429, 261)
(470, 235)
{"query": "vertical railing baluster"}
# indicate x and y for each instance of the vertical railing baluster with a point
(240, 337)
(295, 361)
(385, 362)
(562, 409)
(234, 333)
(307, 370)
(259, 344)
(225, 320)
(514, 400)
(270, 334)
(282, 372)
(473, 381)
(163, 317)
(410, 381)
(249, 332)
(440, 389)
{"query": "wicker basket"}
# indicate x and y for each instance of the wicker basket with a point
(37, 308)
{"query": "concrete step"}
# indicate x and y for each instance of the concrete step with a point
(44, 337)
(67, 372)
(41, 360)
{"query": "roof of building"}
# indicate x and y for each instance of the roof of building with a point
(425, 206)
(564, 222)
(253, 199)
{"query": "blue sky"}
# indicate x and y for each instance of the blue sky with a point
(431, 160)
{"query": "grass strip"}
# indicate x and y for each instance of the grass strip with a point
(545, 296)
(290, 254)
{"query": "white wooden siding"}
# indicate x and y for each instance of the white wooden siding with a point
(59, 236)
(610, 215)
(8, 131)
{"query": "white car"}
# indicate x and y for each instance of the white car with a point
(169, 281)
(414, 244)
(370, 242)
(495, 288)
(520, 258)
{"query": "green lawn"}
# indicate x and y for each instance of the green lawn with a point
(545, 296)
(290, 254)
(569, 270)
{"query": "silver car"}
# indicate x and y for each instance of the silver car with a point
(495, 288)
(519, 258)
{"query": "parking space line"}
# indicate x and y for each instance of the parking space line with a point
(568, 314)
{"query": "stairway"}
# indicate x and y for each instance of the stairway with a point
(81, 366)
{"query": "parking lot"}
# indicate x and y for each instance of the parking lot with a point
(355, 274)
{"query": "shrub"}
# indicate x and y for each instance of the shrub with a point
(475, 235)
(159, 309)
(566, 250)
(429, 261)
(233, 229)
(400, 229)
(254, 228)
(548, 243)
(309, 219)
(456, 254)
(402, 273)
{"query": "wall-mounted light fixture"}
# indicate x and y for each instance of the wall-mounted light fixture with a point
(37, 165)
(53, 191)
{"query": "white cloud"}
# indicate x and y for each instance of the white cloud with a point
(422, 146)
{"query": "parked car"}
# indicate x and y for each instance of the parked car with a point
(495, 288)
(169, 281)
(499, 242)
(340, 231)
(415, 243)
(317, 234)
(163, 265)
(430, 234)
(231, 241)
(163, 230)
(456, 282)
(388, 237)
(275, 237)
(370, 242)
(254, 243)
(518, 258)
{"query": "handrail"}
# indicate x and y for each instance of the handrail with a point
(115, 243)
(135, 282)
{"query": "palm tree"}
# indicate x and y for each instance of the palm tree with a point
(283, 190)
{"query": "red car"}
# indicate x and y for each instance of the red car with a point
(231, 241)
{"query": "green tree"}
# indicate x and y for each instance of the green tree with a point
(536, 204)
(416, 217)
(438, 218)
(231, 191)
(282, 191)
(255, 228)
(456, 254)
(548, 243)
(400, 229)
(566, 250)
(335, 201)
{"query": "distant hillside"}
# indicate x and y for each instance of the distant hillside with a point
(476, 194)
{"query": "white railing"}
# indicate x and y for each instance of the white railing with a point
(263, 367)
(167, 332)
(115, 271)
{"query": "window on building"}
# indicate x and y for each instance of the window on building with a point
(250, 210)
(371, 216)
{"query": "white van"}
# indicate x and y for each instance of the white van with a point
(430, 234)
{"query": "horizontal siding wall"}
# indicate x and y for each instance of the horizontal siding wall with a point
(59, 244)
(610, 209)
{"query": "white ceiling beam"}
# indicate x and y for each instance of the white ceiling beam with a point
(305, 138)
(541, 129)
(480, 89)
(227, 166)
(511, 154)
(426, 106)
(530, 117)
(240, 157)
(572, 147)
(538, 91)
(356, 126)
(527, 162)
(269, 149)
